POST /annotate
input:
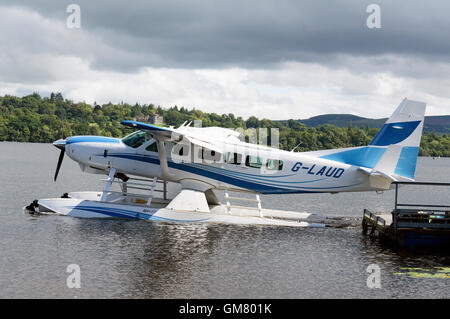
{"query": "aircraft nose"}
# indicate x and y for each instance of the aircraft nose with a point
(61, 144)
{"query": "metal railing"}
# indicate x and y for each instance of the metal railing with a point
(377, 219)
(397, 204)
(416, 215)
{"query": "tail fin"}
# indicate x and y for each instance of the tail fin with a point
(401, 133)
(404, 127)
(394, 150)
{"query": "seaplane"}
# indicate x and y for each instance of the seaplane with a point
(197, 161)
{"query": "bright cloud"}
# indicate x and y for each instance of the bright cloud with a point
(39, 53)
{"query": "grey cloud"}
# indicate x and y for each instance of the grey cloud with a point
(252, 34)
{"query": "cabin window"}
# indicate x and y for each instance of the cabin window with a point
(179, 149)
(152, 148)
(274, 165)
(135, 139)
(253, 161)
(233, 158)
(209, 155)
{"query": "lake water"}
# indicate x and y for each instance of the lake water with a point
(135, 259)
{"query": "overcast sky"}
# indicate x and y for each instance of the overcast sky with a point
(273, 59)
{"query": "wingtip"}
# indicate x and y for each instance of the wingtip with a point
(128, 123)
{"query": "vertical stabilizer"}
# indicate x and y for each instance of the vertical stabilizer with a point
(401, 134)
(394, 150)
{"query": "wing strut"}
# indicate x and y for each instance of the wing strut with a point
(163, 159)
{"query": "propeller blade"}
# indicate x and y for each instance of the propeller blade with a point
(58, 166)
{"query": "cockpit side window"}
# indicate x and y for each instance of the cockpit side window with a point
(135, 139)
(152, 148)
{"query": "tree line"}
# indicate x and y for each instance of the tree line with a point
(33, 118)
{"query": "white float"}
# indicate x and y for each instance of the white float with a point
(187, 206)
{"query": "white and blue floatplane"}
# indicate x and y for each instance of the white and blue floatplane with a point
(180, 168)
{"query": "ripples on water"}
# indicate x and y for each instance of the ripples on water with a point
(159, 260)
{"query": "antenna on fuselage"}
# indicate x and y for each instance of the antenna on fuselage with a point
(296, 146)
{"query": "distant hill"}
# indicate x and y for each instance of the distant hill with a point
(342, 120)
(438, 124)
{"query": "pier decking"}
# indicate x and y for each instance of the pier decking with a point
(411, 224)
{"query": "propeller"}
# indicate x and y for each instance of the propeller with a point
(61, 144)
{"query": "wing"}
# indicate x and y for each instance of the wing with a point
(172, 134)
(155, 130)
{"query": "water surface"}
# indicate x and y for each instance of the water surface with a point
(134, 259)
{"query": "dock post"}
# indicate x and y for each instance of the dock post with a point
(258, 200)
(396, 195)
(149, 201)
(165, 190)
(227, 197)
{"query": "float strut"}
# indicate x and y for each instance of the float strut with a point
(112, 172)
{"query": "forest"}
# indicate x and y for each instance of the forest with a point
(37, 119)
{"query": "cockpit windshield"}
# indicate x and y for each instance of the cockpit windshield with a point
(135, 139)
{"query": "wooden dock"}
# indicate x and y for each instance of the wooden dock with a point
(411, 224)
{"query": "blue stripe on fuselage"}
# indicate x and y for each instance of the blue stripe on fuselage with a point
(239, 182)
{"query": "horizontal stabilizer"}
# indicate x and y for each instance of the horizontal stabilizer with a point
(386, 169)
(374, 173)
